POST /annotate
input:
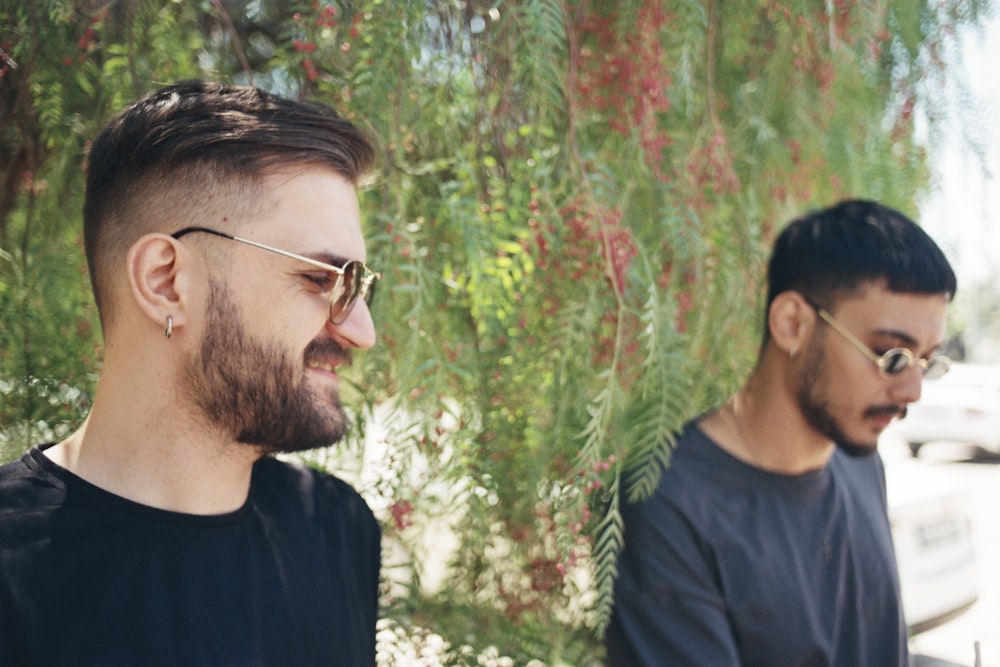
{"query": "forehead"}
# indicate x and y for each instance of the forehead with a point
(875, 310)
(312, 211)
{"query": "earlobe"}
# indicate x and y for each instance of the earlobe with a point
(791, 320)
(156, 280)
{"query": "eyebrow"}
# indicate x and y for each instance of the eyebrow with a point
(327, 258)
(908, 341)
(898, 335)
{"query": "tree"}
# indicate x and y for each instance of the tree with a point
(574, 204)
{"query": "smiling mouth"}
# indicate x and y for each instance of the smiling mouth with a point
(329, 366)
(326, 355)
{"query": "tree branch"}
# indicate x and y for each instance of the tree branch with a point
(237, 44)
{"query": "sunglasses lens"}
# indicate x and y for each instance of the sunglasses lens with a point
(352, 283)
(356, 282)
(368, 287)
(896, 361)
(342, 295)
(936, 367)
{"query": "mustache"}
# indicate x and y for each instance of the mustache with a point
(328, 352)
(886, 411)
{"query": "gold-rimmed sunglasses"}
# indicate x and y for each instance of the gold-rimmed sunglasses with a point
(350, 282)
(892, 362)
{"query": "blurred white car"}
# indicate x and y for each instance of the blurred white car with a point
(932, 533)
(963, 406)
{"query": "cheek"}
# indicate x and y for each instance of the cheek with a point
(852, 377)
(851, 395)
(832, 381)
(287, 316)
(289, 331)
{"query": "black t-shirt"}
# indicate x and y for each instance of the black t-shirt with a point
(729, 565)
(90, 578)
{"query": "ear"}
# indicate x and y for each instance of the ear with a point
(791, 320)
(159, 277)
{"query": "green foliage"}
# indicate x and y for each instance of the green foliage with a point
(47, 354)
(572, 214)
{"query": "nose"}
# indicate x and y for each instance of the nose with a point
(907, 385)
(358, 330)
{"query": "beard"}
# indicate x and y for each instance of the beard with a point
(254, 392)
(815, 406)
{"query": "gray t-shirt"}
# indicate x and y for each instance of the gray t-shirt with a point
(727, 564)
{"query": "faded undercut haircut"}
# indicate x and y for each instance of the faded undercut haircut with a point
(829, 254)
(185, 152)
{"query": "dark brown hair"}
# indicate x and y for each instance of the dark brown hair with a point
(828, 254)
(173, 155)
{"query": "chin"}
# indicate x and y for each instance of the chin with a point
(310, 431)
(856, 449)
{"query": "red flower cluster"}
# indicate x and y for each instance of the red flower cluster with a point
(402, 514)
(327, 17)
(6, 62)
(303, 46)
(592, 244)
(625, 74)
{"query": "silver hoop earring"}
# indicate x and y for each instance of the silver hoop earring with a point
(170, 327)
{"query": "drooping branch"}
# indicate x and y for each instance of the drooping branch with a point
(713, 44)
(235, 35)
(130, 29)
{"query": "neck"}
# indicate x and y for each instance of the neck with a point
(767, 430)
(152, 455)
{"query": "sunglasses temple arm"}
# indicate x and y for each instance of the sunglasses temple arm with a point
(854, 340)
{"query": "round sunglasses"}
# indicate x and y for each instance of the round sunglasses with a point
(349, 283)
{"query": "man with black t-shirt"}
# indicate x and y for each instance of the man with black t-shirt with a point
(767, 540)
(224, 243)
